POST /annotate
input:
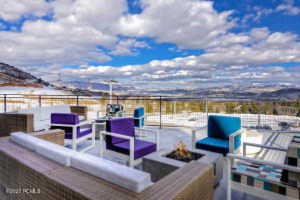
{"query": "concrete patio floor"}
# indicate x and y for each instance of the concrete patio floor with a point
(171, 136)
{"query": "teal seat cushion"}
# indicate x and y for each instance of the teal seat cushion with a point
(214, 144)
(217, 145)
(222, 126)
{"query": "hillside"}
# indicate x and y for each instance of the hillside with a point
(16, 81)
(12, 76)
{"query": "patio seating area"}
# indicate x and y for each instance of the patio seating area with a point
(130, 160)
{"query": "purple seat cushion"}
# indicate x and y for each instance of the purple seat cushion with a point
(141, 148)
(124, 126)
(64, 118)
(80, 133)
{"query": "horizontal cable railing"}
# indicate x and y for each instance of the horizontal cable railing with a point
(171, 111)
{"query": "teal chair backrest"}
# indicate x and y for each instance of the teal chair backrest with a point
(139, 112)
(222, 126)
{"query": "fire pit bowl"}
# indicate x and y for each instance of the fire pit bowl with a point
(193, 156)
(181, 153)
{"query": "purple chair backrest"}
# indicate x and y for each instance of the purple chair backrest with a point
(64, 118)
(124, 126)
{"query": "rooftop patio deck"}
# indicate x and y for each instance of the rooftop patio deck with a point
(185, 114)
(172, 135)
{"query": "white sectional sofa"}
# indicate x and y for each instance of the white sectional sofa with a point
(42, 115)
(129, 178)
(35, 119)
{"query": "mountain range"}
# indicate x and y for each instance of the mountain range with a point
(12, 76)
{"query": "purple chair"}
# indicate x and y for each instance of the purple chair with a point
(121, 139)
(73, 128)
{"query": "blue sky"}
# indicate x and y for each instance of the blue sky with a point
(155, 44)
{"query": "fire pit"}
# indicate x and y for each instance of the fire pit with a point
(181, 153)
(161, 163)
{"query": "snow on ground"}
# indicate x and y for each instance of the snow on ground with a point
(18, 97)
(31, 91)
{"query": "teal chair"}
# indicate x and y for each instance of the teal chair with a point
(223, 135)
(139, 117)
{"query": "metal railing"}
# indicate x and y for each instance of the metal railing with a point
(170, 111)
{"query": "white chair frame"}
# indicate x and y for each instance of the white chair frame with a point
(76, 140)
(130, 158)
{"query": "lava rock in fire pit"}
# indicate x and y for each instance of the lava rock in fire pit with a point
(175, 156)
(182, 154)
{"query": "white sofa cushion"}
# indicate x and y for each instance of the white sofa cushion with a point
(55, 152)
(47, 149)
(115, 173)
(118, 174)
(25, 140)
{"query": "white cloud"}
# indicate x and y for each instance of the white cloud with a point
(128, 47)
(73, 37)
(12, 10)
(257, 13)
(288, 8)
(259, 33)
(79, 27)
(188, 24)
(233, 63)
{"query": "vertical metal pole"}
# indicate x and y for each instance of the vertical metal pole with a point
(206, 107)
(117, 99)
(5, 103)
(77, 100)
(174, 109)
(40, 101)
(259, 116)
(160, 112)
(206, 110)
(110, 92)
(259, 120)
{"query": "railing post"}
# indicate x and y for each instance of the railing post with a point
(40, 101)
(77, 100)
(160, 125)
(117, 99)
(206, 108)
(5, 103)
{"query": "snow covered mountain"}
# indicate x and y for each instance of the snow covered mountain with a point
(10, 75)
